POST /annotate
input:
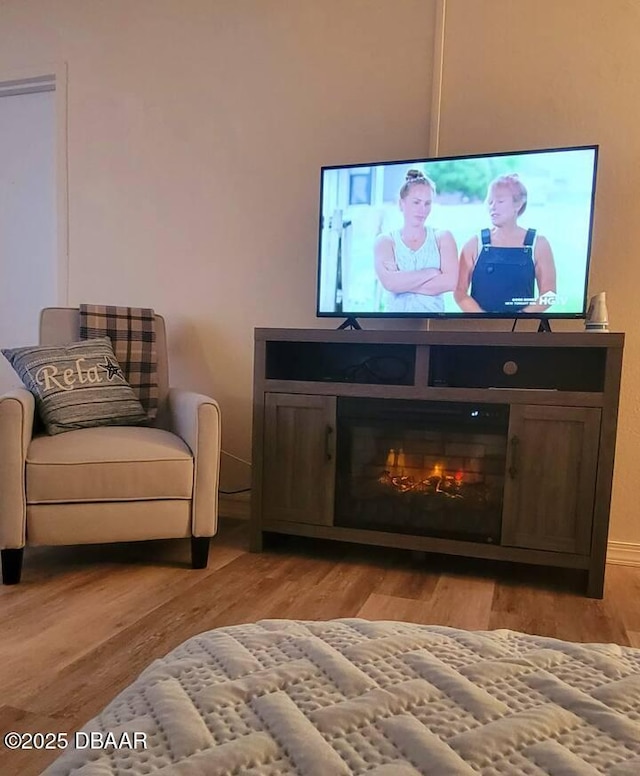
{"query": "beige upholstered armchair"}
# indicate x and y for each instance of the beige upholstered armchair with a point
(108, 484)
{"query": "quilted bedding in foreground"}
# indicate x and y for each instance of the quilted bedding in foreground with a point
(352, 696)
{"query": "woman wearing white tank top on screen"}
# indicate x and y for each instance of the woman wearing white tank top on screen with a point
(416, 264)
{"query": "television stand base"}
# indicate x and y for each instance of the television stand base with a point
(350, 323)
(435, 404)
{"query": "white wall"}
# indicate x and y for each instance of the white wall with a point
(196, 130)
(549, 73)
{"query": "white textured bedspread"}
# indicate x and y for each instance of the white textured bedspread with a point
(378, 698)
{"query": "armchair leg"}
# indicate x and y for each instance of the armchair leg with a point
(11, 565)
(199, 552)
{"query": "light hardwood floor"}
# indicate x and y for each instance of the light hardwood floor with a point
(86, 620)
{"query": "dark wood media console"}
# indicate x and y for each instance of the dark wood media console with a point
(488, 445)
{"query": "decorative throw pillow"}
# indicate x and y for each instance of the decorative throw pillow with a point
(77, 385)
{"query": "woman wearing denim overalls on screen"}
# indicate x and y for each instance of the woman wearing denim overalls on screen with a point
(501, 267)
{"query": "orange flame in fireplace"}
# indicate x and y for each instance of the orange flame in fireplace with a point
(400, 478)
(396, 463)
(391, 459)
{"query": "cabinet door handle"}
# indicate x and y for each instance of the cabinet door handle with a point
(327, 442)
(513, 465)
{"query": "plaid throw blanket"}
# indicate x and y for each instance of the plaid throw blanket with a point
(133, 336)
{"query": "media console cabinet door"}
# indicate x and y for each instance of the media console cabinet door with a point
(552, 461)
(299, 458)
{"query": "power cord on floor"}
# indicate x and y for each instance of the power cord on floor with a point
(236, 458)
(240, 490)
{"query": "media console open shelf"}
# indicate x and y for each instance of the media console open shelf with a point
(489, 445)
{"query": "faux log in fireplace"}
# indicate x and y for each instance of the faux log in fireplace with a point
(489, 445)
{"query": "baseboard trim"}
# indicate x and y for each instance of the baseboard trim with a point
(623, 554)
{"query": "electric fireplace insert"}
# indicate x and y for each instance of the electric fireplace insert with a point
(427, 468)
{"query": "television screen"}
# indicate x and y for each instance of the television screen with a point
(496, 235)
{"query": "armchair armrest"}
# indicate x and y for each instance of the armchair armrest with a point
(17, 408)
(195, 418)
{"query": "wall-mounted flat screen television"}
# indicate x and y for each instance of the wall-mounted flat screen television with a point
(500, 235)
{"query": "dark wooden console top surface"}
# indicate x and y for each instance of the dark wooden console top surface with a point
(578, 339)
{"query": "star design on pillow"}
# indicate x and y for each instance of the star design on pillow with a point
(111, 368)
